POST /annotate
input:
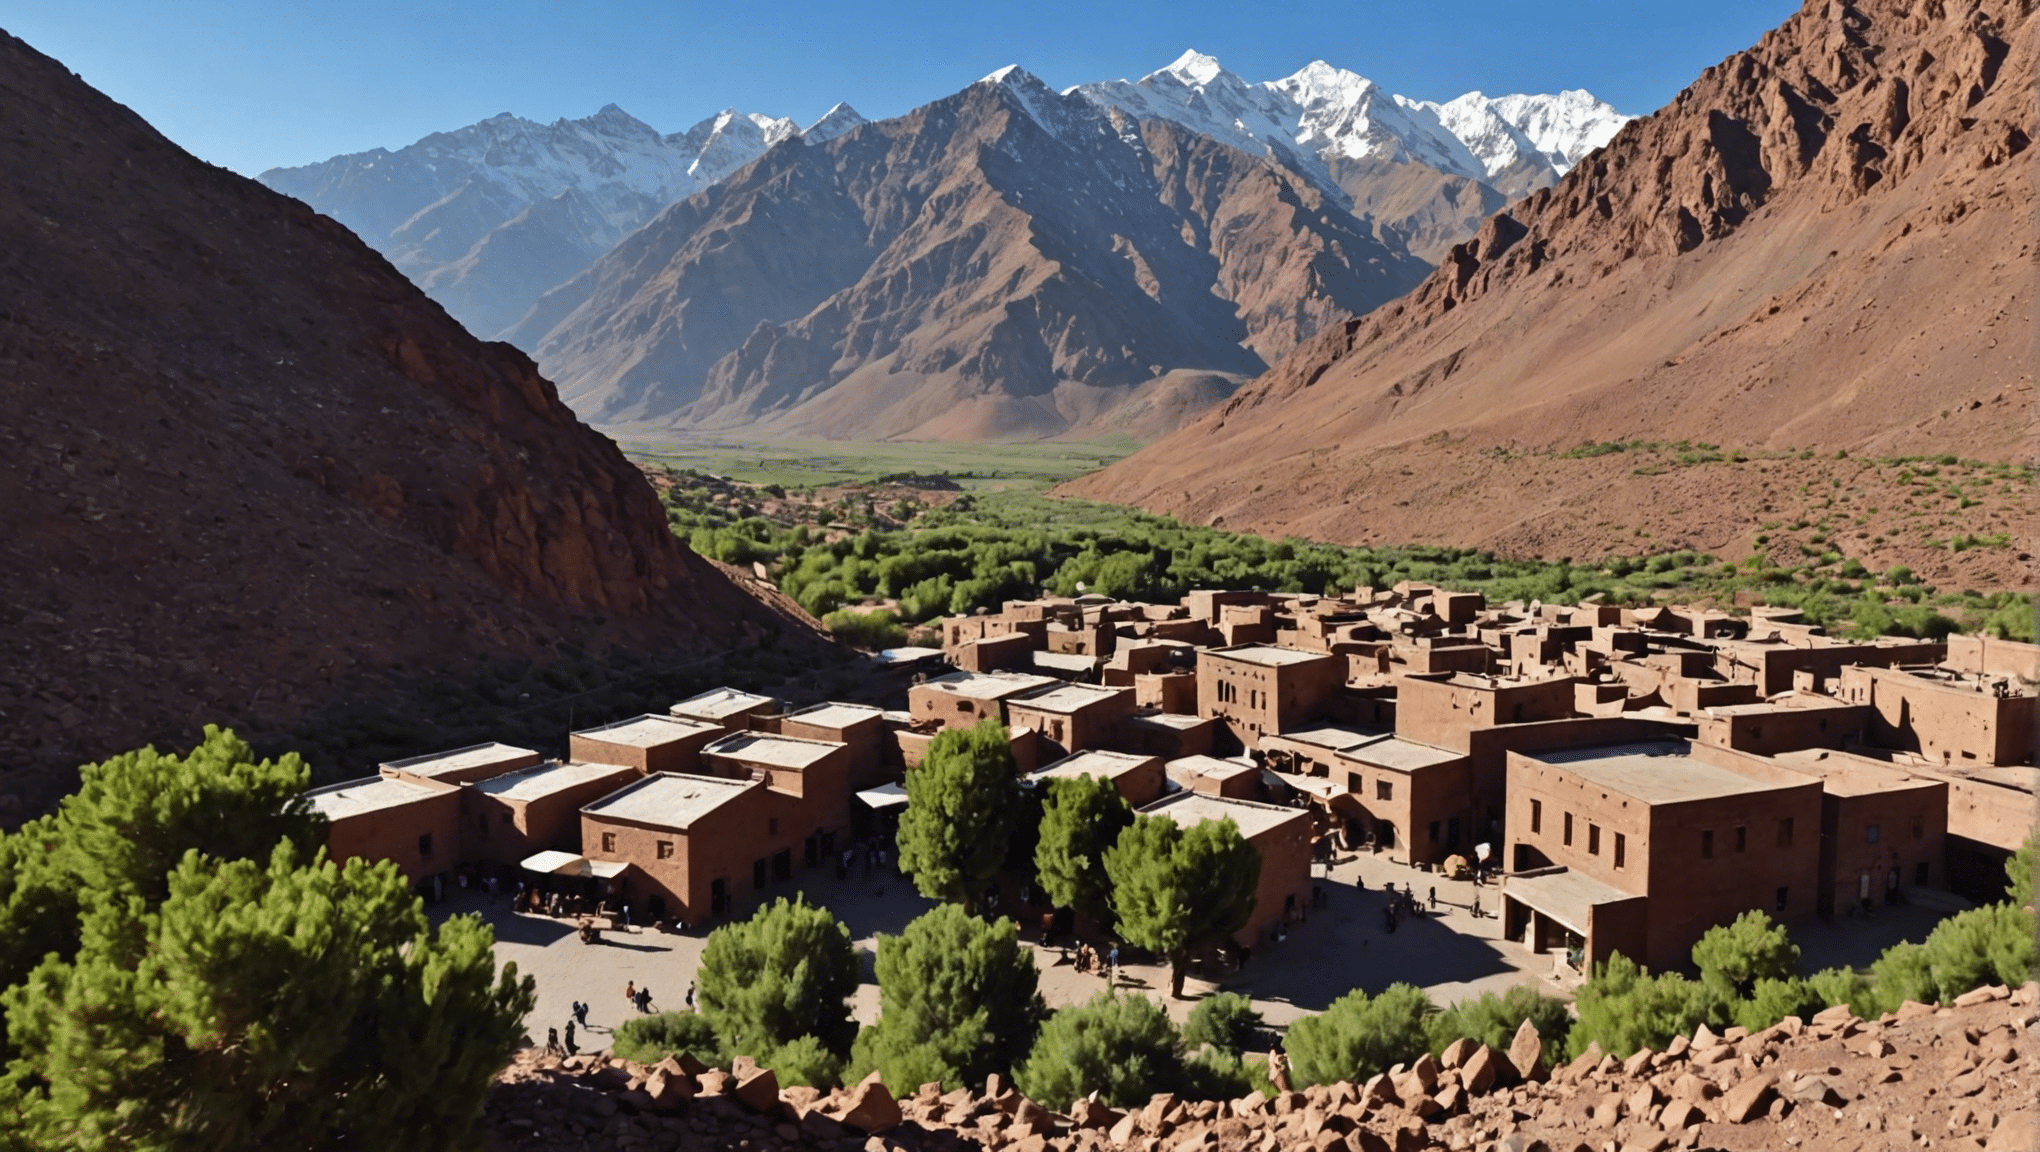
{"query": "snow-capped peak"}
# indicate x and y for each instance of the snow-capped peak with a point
(833, 123)
(1193, 68)
(1009, 74)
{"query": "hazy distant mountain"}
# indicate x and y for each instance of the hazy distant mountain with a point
(1005, 261)
(489, 216)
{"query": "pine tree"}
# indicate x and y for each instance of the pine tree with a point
(785, 973)
(1174, 891)
(1733, 957)
(953, 834)
(1119, 1045)
(1081, 818)
(1359, 1035)
(957, 1001)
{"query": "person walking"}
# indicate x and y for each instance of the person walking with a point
(581, 1012)
(552, 1041)
(690, 995)
(1477, 913)
(1434, 897)
(644, 999)
(630, 992)
(573, 1049)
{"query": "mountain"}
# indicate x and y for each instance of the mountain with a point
(1823, 246)
(1008, 261)
(250, 472)
(1413, 165)
(489, 216)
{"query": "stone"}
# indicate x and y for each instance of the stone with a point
(668, 1092)
(1833, 1017)
(1747, 1100)
(800, 1099)
(1642, 1100)
(1680, 1114)
(1708, 1057)
(1456, 1053)
(1481, 1070)
(1868, 1046)
(1426, 1070)
(1694, 1088)
(1607, 1110)
(1449, 1097)
(1704, 1038)
(1089, 1113)
(1913, 1010)
(869, 1107)
(1637, 1062)
(1815, 1090)
(1975, 996)
(1158, 1108)
(1526, 1052)
(1379, 1090)
(714, 1082)
(757, 1088)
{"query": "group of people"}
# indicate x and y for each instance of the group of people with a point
(638, 998)
(876, 853)
(1088, 961)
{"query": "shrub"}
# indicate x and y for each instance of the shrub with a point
(867, 630)
(1493, 1019)
(1901, 974)
(1214, 1074)
(1121, 1046)
(785, 973)
(1772, 1000)
(1733, 957)
(1988, 945)
(1623, 1008)
(957, 1001)
(650, 1039)
(1226, 1021)
(805, 1061)
(1359, 1035)
(2023, 870)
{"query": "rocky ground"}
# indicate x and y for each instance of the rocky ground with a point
(1959, 1077)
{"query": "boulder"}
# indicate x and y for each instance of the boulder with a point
(1747, 1100)
(1833, 1017)
(1815, 1090)
(1426, 1071)
(1455, 1053)
(1123, 1129)
(714, 1082)
(1482, 1070)
(1090, 1113)
(800, 1099)
(1913, 1010)
(1526, 1052)
(1975, 996)
(1585, 1063)
(869, 1107)
(1379, 1090)
(668, 1091)
(1680, 1114)
(757, 1088)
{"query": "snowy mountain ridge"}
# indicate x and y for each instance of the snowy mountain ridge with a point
(1322, 113)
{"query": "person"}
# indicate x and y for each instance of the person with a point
(1434, 897)
(1477, 913)
(626, 917)
(1114, 960)
(581, 1012)
(573, 1049)
(690, 995)
(552, 1041)
(630, 991)
(644, 999)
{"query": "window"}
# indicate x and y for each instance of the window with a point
(1568, 829)
(1621, 849)
(1784, 897)
(1707, 844)
(1920, 873)
(1742, 838)
(609, 841)
(425, 844)
(1785, 833)
(1872, 834)
(665, 849)
(1383, 790)
(1593, 839)
(1353, 782)
(1536, 816)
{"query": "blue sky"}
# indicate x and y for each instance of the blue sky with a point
(253, 85)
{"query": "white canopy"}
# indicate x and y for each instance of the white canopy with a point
(884, 796)
(1320, 786)
(552, 863)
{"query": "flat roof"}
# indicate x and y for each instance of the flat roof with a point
(1400, 754)
(460, 759)
(368, 794)
(649, 730)
(1329, 736)
(1211, 766)
(719, 703)
(1066, 661)
(547, 779)
(1654, 771)
(1066, 698)
(1268, 655)
(1565, 896)
(766, 748)
(1174, 721)
(1096, 762)
(988, 685)
(1192, 808)
(835, 715)
(672, 799)
(1842, 774)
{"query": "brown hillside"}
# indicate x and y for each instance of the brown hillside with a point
(1824, 243)
(250, 471)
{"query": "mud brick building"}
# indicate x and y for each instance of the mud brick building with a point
(860, 728)
(1281, 835)
(647, 743)
(475, 762)
(1944, 718)
(1254, 689)
(1072, 717)
(727, 707)
(1139, 779)
(507, 818)
(692, 845)
(811, 778)
(963, 699)
(1640, 848)
(1212, 776)
(414, 822)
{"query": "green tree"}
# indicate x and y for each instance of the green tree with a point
(1081, 818)
(1902, 973)
(805, 1061)
(650, 1039)
(262, 1005)
(1359, 1035)
(1493, 1019)
(1119, 1045)
(1226, 1021)
(785, 973)
(1989, 945)
(1831, 986)
(957, 1001)
(1733, 957)
(2022, 871)
(1174, 891)
(953, 834)
(1623, 1008)
(1771, 1000)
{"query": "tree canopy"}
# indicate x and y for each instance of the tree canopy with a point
(1175, 890)
(245, 995)
(957, 1001)
(1081, 818)
(1119, 1045)
(953, 834)
(1359, 1035)
(785, 973)
(1732, 957)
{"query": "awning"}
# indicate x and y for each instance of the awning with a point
(884, 796)
(1323, 787)
(554, 863)
(607, 869)
(1566, 896)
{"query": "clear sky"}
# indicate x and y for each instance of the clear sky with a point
(253, 85)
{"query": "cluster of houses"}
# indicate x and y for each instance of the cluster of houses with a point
(1635, 775)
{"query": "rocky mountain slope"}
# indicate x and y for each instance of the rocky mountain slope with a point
(249, 470)
(1823, 245)
(488, 216)
(1008, 261)
(1925, 1077)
